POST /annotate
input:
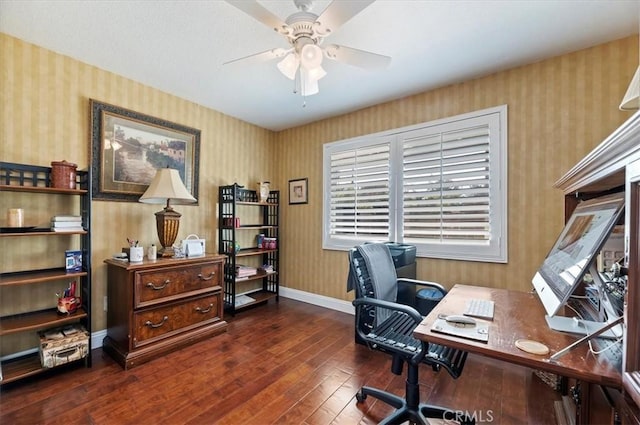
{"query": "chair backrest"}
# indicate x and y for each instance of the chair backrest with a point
(368, 266)
(373, 274)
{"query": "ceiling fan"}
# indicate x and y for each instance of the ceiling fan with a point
(305, 32)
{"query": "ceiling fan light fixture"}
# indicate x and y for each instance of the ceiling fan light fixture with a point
(289, 66)
(308, 84)
(305, 32)
(311, 56)
(316, 73)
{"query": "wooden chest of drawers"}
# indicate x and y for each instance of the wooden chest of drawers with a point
(155, 307)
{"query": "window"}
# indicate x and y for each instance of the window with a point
(359, 207)
(440, 186)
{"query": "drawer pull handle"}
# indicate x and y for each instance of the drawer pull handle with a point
(66, 352)
(156, 325)
(157, 288)
(200, 310)
(207, 278)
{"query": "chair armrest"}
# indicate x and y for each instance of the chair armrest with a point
(394, 334)
(424, 283)
(412, 312)
(408, 290)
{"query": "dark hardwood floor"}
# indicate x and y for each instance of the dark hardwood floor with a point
(283, 363)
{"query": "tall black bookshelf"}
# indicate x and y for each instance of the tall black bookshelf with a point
(237, 240)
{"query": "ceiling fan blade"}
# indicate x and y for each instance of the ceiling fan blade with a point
(262, 56)
(355, 57)
(258, 12)
(339, 12)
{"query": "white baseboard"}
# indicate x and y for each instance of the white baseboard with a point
(97, 337)
(319, 300)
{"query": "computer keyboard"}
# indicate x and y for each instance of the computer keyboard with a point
(479, 308)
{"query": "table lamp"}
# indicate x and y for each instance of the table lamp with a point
(167, 186)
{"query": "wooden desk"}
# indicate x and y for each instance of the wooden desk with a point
(519, 315)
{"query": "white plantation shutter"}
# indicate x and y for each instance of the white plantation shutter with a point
(359, 194)
(446, 187)
(441, 186)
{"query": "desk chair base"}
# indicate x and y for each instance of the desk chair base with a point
(409, 408)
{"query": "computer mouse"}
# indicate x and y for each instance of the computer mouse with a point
(460, 319)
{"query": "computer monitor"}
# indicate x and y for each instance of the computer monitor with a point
(572, 256)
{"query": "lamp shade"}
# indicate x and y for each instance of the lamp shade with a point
(308, 84)
(289, 66)
(631, 99)
(167, 186)
(316, 73)
(310, 56)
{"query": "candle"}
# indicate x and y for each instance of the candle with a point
(15, 217)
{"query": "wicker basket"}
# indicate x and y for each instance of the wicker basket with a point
(63, 345)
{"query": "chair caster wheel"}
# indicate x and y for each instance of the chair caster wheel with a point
(360, 396)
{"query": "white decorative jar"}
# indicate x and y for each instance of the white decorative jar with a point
(263, 191)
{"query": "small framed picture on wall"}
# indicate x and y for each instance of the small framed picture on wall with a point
(298, 191)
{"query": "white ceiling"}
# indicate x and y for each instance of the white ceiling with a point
(180, 46)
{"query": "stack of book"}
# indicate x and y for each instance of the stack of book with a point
(66, 223)
(243, 272)
(267, 268)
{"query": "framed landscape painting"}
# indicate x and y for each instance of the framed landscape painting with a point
(128, 147)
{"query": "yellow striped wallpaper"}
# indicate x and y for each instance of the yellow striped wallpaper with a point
(44, 117)
(559, 109)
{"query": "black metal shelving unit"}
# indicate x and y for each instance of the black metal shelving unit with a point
(229, 231)
(36, 180)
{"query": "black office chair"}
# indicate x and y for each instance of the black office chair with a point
(384, 324)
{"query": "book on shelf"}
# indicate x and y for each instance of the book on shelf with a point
(267, 268)
(73, 260)
(66, 218)
(245, 271)
(66, 224)
(67, 229)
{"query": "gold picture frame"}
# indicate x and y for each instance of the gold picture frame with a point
(127, 148)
